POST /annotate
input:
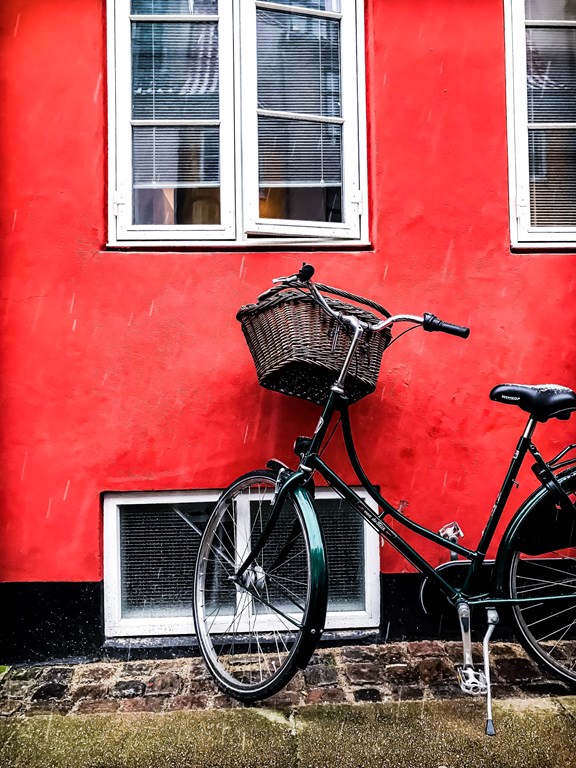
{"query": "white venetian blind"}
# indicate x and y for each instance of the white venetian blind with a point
(551, 98)
(175, 112)
(300, 111)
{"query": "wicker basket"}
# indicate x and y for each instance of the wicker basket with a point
(299, 350)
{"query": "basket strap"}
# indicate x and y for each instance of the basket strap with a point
(353, 297)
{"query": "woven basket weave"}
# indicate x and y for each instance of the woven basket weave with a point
(299, 350)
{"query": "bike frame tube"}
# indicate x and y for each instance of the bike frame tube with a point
(311, 461)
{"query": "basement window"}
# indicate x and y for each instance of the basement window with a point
(150, 547)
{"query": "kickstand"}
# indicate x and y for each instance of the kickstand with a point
(492, 621)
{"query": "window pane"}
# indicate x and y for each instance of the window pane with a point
(176, 175)
(175, 6)
(157, 558)
(316, 5)
(301, 203)
(175, 70)
(343, 530)
(300, 166)
(558, 10)
(296, 50)
(553, 178)
(551, 75)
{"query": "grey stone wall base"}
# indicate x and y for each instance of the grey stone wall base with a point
(409, 671)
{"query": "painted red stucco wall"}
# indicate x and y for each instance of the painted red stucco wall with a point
(128, 371)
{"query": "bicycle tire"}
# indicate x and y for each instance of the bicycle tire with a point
(541, 562)
(255, 635)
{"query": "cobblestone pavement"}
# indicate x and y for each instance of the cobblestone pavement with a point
(415, 671)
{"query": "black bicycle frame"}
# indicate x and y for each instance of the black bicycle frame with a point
(311, 461)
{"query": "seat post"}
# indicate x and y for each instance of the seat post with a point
(530, 427)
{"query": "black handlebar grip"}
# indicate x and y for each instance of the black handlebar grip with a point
(433, 323)
(306, 273)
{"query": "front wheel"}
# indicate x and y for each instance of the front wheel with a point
(542, 571)
(255, 630)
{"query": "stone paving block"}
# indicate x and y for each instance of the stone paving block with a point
(24, 673)
(10, 707)
(90, 691)
(393, 653)
(57, 675)
(320, 674)
(400, 673)
(95, 673)
(360, 674)
(516, 669)
(187, 701)
(49, 707)
(143, 704)
(367, 694)
(125, 689)
(49, 691)
(427, 648)
(97, 707)
(164, 684)
(333, 695)
(434, 668)
(17, 689)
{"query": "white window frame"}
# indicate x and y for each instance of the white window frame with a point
(118, 626)
(240, 222)
(523, 233)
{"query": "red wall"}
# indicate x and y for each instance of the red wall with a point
(128, 371)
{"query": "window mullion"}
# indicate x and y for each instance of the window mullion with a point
(249, 113)
(518, 121)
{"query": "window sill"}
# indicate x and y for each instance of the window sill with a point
(543, 248)
(271, 244)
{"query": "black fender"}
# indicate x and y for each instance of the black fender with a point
(527, 525)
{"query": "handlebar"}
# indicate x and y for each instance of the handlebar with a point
(303, 280)
(433, 323)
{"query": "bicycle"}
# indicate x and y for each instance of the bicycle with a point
(260, 593)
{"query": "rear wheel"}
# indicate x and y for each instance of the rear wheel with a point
(543, 568)
(253, 629)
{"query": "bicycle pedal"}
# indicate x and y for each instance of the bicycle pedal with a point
(472, 681)
(451, 532)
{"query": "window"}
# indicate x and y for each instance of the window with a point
(150, 546)
(235, 120)
(541, 42)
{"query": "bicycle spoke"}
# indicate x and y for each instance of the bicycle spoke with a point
(550, 616)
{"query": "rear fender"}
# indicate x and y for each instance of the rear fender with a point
(529, 525)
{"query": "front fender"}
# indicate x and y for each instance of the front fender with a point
(318, 574)
(526, 526)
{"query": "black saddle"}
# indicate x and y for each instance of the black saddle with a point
(542, 401)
